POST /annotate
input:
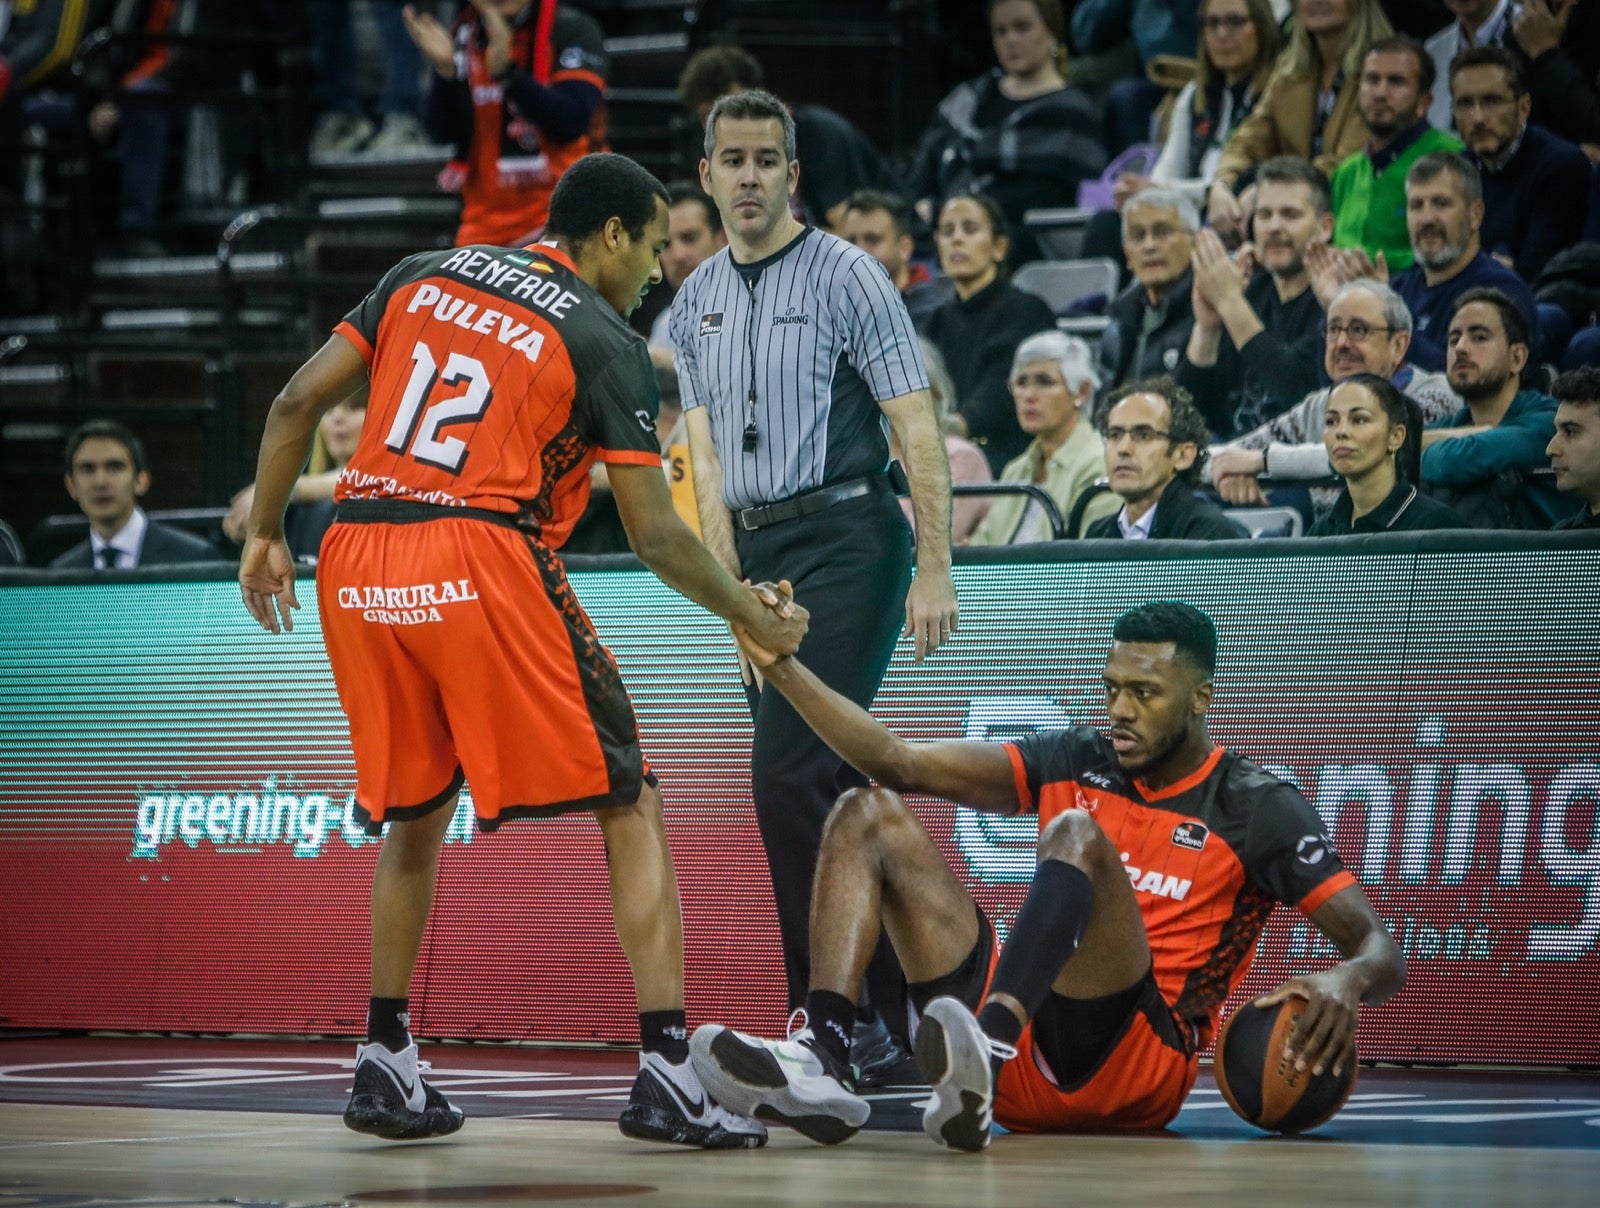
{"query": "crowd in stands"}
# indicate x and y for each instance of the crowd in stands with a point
(1359, 268)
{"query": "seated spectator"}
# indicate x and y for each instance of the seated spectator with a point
(1156, 444)
(1535, 185)
(881, 224)
(1157, 28)
(694, 233)
(140, 111)
(1309, 107)
(1368, 330)
(1444, 214)
(1561, 39)
(1477, 23)
(1017, 133)
(1575, 448)
(1239, 44)
(1151, 319)
(1568, 297)
(1053, 381)
(1369, 188)
(1255, 349)
(1373, 436)
(519, 98)
(343, 127)
(311, 499)
(835, 158)
(979, 330)
(1479, 461)
(968, 465)
(106, 476)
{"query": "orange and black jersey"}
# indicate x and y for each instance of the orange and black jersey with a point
(1208, 856)
(498, 377)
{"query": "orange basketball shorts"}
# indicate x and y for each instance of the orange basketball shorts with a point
(1140, 1085)
(459, 650)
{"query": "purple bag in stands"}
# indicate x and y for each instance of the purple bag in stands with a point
(1096, 194)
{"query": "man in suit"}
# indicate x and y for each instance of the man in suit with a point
(106, 475)
(1156, 444)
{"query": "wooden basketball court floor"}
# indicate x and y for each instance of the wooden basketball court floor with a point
(145, 1121)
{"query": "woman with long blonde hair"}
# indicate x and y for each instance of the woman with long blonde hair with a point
(1309, 107)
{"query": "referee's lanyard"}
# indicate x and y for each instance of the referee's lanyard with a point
(752, 434)
(1325, 106)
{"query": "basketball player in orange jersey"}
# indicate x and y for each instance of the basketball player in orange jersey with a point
(497, 377)
(1160, 857)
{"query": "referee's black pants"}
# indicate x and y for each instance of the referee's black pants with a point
(850, 566)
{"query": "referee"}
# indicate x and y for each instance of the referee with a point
(796, 358)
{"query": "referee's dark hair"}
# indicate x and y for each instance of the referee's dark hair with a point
(873, 201)
(107, 429)
(680, 192)
(1185, 626)
(598, 188)
(752, 105)
(1187, 425)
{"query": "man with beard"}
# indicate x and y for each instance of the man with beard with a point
(1369, 188)
(1254, 349)
(1535, 185)
(1444, 212)
(1479, 460)
(1134, 930)
(1368, 331)
(1477, 23)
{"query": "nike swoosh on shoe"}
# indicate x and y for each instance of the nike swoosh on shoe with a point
(692, 1108)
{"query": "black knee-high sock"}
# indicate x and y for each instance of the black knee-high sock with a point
(1045, 935)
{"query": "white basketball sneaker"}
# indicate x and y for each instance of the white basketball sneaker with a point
(953, 1053)
(668, 1104)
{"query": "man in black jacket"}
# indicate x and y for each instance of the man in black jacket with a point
(106, 474)
(1151, 319)
(1156, 443)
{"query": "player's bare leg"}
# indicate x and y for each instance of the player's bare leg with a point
(391, 1099)
(877, 869)
(667, 1102)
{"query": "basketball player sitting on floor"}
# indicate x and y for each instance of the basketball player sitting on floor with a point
(1160, 857)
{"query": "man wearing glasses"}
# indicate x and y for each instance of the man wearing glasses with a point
(1156, 443)
(1368, 330)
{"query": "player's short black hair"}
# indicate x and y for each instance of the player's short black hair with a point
(598, 188)
(107, 429)
(1427, 70)
(872, 201)
(680, 192)
(715, 71)
(1512, 320)
(1185, 626)
(1188, 425)
(1578, 385)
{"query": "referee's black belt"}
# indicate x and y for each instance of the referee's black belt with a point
(808, 503)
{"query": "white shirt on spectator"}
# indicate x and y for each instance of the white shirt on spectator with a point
(1139, 530)
(128, 541)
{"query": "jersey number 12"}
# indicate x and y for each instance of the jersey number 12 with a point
(417, 429)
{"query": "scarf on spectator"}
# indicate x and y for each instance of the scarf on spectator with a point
(498, 129)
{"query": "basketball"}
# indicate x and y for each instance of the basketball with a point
(1264, 1088)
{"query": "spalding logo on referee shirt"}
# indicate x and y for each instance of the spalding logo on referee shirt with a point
(711, 325)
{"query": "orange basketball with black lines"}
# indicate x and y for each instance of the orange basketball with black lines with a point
(1261, 1085)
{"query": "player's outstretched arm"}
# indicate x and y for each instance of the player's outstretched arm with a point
(975, 774)
(266, 567)
(1373, 971)
(669, 547)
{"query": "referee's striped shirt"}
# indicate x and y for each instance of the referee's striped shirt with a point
(820, 334)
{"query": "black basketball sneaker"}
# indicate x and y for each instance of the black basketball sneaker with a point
(668, 1103)
(390, 1099)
